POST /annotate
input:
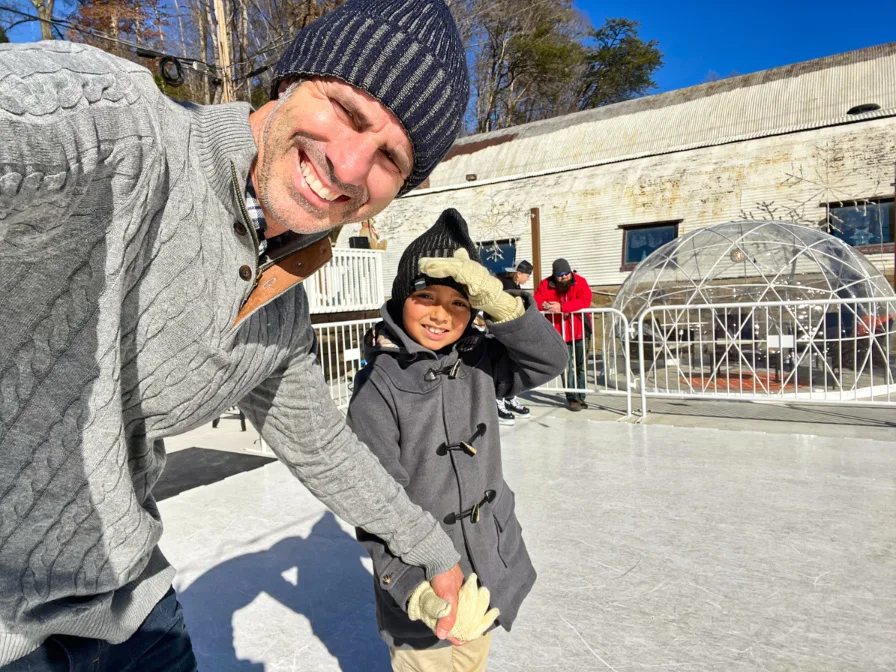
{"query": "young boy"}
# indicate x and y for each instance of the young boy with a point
(425, 405)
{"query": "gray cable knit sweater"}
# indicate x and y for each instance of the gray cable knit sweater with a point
(129, 312)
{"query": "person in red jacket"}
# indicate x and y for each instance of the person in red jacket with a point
(561, 295)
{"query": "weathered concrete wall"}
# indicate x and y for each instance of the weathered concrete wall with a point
(581, 210)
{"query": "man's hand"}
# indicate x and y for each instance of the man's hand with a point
(552, 306)
(447, 585)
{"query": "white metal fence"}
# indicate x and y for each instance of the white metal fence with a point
(840, 351)
(340, 349)
(353, 280)
(834, 352)
(604, 358)
(598, 344)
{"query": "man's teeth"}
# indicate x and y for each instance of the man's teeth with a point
(312, 181)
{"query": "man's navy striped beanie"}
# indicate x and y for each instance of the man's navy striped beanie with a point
(405, 53)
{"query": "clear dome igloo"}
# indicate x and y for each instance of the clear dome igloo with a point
(699, 350)
(747, 262)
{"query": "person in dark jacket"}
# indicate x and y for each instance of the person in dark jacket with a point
(513, 280)
(561, 296)
(425, 404)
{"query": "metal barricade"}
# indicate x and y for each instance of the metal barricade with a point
(599, 344)
(340, 350)
(833, 351)
(604, 354)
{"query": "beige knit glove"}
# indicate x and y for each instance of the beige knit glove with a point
(485, 292)
(473, 615)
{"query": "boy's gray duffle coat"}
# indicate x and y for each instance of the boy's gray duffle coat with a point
(421, 414)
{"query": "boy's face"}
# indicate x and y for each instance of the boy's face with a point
(436, 316)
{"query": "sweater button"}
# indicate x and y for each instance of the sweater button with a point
(240, 228)
(387, 579)
(245, 272)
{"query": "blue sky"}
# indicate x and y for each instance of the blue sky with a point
(700, 36)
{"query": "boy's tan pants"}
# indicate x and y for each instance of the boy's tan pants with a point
(472, 657)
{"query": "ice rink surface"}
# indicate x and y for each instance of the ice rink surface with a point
(658, 548)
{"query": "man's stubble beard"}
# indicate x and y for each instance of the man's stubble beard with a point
(294, 144)
(294, 199)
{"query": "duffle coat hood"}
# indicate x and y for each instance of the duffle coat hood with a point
(432, 421)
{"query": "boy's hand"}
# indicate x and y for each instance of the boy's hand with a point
(462, 269)
(485, 292)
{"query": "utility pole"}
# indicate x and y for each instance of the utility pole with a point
(535, 219)
(224, 52)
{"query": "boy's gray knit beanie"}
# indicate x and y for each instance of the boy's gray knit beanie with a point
(405, 53)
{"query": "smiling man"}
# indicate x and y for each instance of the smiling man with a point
(328, 154)
(151, 259)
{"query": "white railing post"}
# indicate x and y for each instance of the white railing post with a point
(340, 352)
(641, 367)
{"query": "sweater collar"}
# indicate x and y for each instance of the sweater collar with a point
(223, 136)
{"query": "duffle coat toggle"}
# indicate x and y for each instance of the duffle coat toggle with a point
(474, 512)
(432, 374)
(465, 446)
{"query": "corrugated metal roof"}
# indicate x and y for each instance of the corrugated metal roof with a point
(782, 100)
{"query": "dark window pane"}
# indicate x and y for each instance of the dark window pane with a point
(497, 256)
(640, 243)
(863, 224)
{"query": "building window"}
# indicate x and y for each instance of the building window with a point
(867, 225)
(497, 255)
(639, 241)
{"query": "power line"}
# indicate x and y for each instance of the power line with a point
(209, 69)
(139, 50)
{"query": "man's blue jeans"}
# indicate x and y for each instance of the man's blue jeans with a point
(162, 644)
